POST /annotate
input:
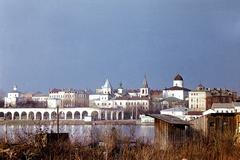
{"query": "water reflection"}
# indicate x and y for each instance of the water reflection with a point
(78, 133)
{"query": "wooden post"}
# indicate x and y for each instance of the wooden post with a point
(57, 119)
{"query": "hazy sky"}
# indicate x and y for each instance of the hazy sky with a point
(80, 43)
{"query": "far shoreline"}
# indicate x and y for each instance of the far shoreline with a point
(73, 122)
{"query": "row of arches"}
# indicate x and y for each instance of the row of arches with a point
(69, 115)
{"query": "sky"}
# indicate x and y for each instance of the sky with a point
(80, 43)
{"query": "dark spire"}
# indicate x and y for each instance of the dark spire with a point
(145, 83)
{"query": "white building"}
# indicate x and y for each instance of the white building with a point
(106, 97)
(70, 97)
(179, 112)
(222, 108)
(40, 97)
(177, 90)
(146, 119)
(198, 99)
(12, 98)
(54, 103)
(105, 89)
(182, 113)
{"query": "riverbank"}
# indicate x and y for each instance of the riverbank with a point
(72, 122)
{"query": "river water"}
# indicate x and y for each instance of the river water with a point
(78, 133)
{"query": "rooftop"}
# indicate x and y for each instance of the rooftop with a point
(183, 109)
(178, 77)
(145, 83)
(169, 119)
(222, 105)
(175, 88)
(107, 84)
(132, 98)
(171, 99)
(194, 113)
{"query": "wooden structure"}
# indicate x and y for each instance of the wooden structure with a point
(217, 124)
(169, 130)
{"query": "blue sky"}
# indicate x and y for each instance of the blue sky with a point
(80, 43)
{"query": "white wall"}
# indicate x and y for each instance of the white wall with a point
(197, 100)
(174, 93)
(178, 83)
(53, 103)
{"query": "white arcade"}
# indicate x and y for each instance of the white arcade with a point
(64, 113)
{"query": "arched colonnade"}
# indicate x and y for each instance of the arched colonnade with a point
(64, 114)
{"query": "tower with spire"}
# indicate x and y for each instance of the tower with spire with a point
(144, 90)
(107, 87)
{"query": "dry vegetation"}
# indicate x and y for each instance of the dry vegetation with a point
(114, 146)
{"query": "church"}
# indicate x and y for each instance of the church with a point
(107, 97)
(177, 90)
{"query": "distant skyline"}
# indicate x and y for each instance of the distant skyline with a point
(80, 43)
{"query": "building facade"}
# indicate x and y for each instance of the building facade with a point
(202, 98)
(70, 97)
(13, 97)
(106, 97)
(177, 90)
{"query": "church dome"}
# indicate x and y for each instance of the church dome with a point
(200, 87)
(178, 78)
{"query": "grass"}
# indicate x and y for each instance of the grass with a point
(114, 146)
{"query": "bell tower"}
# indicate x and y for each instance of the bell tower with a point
(144, 90)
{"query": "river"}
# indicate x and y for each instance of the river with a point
(78, 133)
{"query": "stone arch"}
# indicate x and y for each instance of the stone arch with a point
(45, 115)
(61, 115)
(31, 115)
(8, 116)
(84, 114)
(119, 115)
(109, 115)
(39, 116)
(114, 115)
(77, 115)
(94, 115)
(54, 115)
(69, 115)
(103, 115)
(23, 115)
(2, 115)
(16, 116)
